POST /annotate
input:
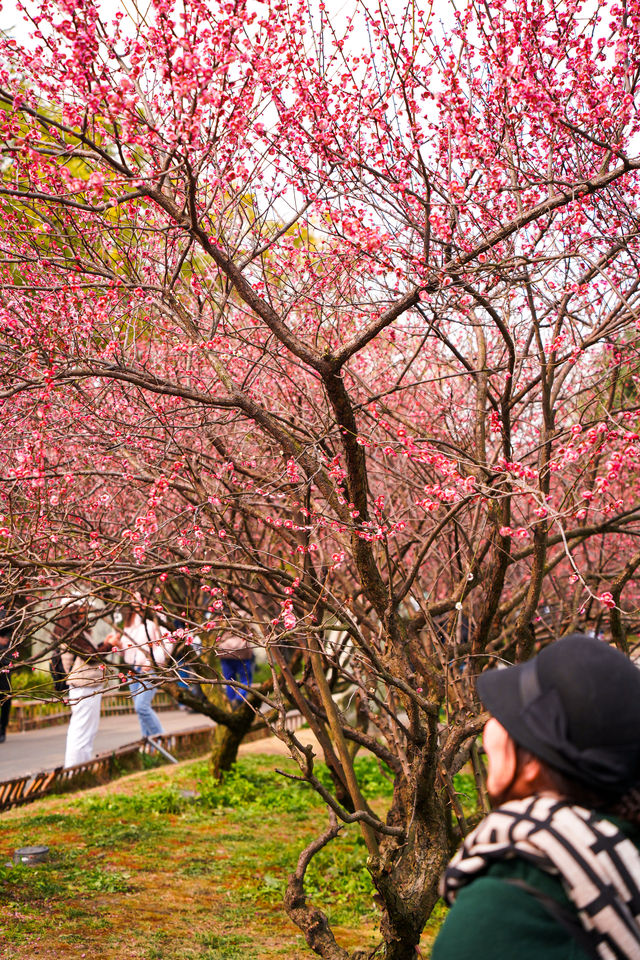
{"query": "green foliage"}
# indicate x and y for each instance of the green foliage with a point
(103, 881)
(152, 760)
(64, 875)
(162, 800)
(199, 868)
(123, 833)
(338, 876)
(375, 778)
(223, 851)
(261, 673)
(465, 787)
(50, 820)
(248, 785)
(36, 684)
(225, 947)
(207, 946)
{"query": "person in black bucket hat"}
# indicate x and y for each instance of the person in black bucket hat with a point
(554, 869)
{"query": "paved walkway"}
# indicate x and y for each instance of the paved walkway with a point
(34, 750)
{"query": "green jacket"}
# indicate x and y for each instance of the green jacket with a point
(494, 920)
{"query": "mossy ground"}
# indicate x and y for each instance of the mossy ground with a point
(144, 869)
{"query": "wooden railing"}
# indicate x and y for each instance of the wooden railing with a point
(33, 714)
(109, 766)
(103, 768)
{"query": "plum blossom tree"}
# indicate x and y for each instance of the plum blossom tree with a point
(334, 343)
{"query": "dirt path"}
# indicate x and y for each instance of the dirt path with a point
(277, 748)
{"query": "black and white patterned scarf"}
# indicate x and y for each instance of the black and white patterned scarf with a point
(599, 866)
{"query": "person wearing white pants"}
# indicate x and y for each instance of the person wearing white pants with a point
(85, 718)
(84, 671)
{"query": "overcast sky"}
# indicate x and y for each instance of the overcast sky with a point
(11, 20)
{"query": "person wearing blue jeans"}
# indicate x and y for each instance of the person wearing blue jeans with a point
(239, 672)
(146, 647)
(235, 653)
(143, 692)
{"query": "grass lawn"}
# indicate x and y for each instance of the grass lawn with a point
(167, 864)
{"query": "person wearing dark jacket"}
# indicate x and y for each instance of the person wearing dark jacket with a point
(554, 869)
(6, 661)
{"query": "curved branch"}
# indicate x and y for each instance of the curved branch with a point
(312, 921)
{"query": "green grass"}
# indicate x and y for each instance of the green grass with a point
(465, 787)
(174, 866)
(171, 865)
(65, 875)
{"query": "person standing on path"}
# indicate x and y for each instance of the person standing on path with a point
(6, 662)
(146, 648)
(84, 669)
(554, 870)
(236, 657)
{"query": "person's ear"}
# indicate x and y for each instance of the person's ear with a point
(510, 759)
(530, 776)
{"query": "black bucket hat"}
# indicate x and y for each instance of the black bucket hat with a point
(576, 705)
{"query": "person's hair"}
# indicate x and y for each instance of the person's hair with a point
(72, 621)
(625, 804)
(128, 616)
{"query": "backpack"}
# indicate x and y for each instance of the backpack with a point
(58, 673)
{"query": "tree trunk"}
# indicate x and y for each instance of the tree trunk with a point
(408, 885)
(227, 739)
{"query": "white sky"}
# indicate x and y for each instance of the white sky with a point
(11, 20)
(337, 11)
